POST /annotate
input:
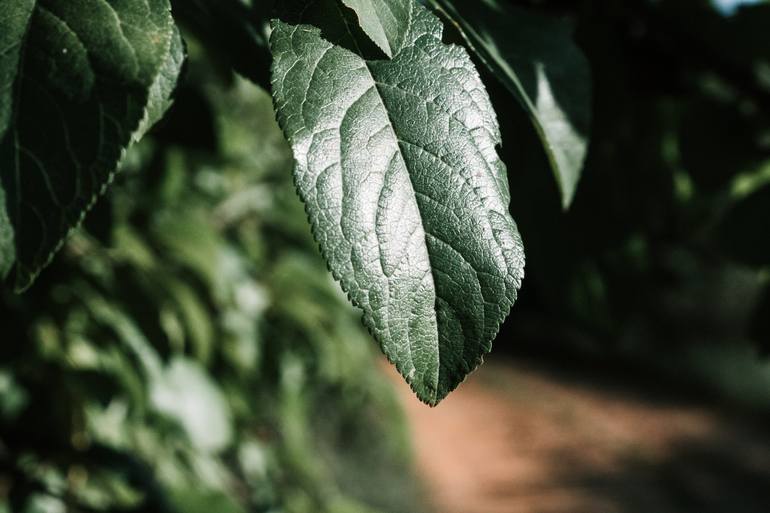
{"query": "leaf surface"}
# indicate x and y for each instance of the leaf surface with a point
(90, 76)
(407, 197)
(535, 58)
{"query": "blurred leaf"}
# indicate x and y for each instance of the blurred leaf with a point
(192, 242)
(204, 501)
(128, 333)
(108, 424)
(13, 397)
(88, 71)
(186, 393)
(195, 318)
(107, 490)
(40, 503)
(406, 194)
(535, 58)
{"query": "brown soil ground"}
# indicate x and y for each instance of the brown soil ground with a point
(519, 439)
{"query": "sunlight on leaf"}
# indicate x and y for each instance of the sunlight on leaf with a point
(408, 198)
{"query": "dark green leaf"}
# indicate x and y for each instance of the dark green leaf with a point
(92, 76)
(397, 166)
(536, 59)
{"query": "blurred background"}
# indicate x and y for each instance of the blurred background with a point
(188, 352)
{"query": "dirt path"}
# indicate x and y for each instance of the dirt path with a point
(513, 439)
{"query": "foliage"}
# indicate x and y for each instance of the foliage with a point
(660, 265)
(392, 130)
(188, 350)
(197, 279)
(407, 198)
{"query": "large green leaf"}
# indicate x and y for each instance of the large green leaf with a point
(535, 58)
(397, 166)
(80, 80)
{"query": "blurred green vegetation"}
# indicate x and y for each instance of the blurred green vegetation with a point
(188, 352)
(661, 266)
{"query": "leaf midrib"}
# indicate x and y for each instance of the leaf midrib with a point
(434, 380)
(426, 234)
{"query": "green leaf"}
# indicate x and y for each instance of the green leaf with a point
(89, 77)
(185, 392)
(407, 197)
(535, 58)
(383, 22)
